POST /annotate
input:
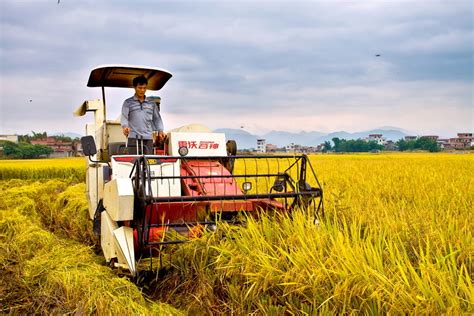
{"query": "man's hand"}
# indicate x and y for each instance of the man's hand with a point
(159, 137)
(126, 131)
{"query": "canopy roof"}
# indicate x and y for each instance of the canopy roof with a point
(121, 76)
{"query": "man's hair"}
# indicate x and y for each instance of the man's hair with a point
(139, 81)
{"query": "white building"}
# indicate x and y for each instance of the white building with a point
(290, 147)
(10, 138)
(261, 146)
(378, 138)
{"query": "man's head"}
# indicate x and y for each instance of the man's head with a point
(140, 83)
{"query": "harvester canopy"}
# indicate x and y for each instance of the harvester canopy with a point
(121, 76)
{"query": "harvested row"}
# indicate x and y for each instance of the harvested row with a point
(47, 274)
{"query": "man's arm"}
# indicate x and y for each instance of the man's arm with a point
(157, 124)
(124, 118)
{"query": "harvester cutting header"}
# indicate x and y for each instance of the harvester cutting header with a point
(143, 198)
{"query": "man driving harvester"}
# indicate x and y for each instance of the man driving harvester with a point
(141, 120)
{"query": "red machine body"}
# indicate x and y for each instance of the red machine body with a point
(200, 178)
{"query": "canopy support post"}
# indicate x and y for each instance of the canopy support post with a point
(103, 100)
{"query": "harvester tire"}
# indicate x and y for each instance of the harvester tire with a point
(228, 163)
(231, 146)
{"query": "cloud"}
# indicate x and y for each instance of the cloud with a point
(286, 65)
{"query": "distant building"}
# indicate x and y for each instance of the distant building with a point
(443, 143)
(296, 148)
(9, 138)
(321, 147)
(261, 145)
(390, 145)
(290, 147)
(271, 148)
(410, 138)
(309, 149)
(60, 148)
(464, 140)
(432, 137)
(378, 138)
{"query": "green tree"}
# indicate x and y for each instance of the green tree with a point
(10, 149)
(24, 138)
(422, 143)
(38, 135)
(401, 144)
(373, 145)
(337, 144)
(355, 145)
(63, 138)
(327, 146)
(25, 150)
(426, 143)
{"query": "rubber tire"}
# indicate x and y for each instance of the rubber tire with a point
(231, 146)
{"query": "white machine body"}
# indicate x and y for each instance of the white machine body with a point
(198, 144)
(160, 166)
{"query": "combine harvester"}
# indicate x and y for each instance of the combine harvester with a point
(141, 203)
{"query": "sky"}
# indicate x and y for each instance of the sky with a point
(253, 65)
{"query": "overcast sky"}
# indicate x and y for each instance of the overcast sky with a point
(263, 65)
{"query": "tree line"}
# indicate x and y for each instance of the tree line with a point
(422, 143)
(360, 145)
(42, 135)
(352, 145)
(25, 150)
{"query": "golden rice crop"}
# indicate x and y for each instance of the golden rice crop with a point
(64, 168)
(44, 273)
(396, 238)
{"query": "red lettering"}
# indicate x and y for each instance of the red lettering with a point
(201, 145)
(205, 144)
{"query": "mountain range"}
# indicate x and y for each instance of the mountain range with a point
(245, 139)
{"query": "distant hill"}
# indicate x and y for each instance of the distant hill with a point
(394, 128)
(247, 140)
(244, 139)
(282, 138)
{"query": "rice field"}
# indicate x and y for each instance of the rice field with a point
(397, 237)
(68, 168)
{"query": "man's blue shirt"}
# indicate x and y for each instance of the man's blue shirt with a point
(141, 117)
